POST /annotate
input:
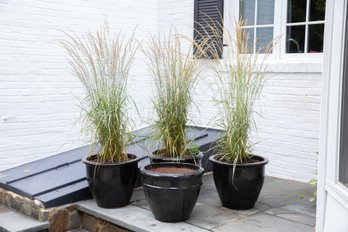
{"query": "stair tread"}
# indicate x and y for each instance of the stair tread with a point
(11, 220)
(78, 230)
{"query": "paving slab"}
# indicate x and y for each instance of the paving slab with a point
(292, 215)
(209, 196)
(263, 222)
(141, 203)
(11, 220)
(276, 210)
(78, 230)
(138, 194)
(277, 199)
(208, 216)
(302, 204)
(134, 218)
(286, 186)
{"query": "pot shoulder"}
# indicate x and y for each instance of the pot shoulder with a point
(132, 159)
(199, 155)
(262, 161)
(147, 170)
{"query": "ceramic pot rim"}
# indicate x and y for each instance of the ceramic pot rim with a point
(134, 159)
(263, 161)
(197, 170)
(199, 155)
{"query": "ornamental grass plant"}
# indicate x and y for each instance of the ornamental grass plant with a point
(102, 63)
(240, 77)
(174, 71)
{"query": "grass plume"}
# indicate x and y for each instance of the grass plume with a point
(174, 72)
(102, 63)
(240, 77)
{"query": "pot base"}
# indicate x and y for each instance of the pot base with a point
(172, 197)
(112, 184)
(239, 186)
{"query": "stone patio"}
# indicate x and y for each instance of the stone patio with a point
(281, 207)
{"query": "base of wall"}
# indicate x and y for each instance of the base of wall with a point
(91, 223)
(60, 218)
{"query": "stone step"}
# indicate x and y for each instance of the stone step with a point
(279, 208)
(129, 218)
(78, 230)
(11, 220)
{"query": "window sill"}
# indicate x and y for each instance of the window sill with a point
(295, 66)
(285, 65)
(338, 191)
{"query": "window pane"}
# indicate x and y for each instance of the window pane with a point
(265, 12)
(315, 38)
(264, 37)
(247, 11)
(297, 11)
(295, 37)
(250, 39)
(317, 10)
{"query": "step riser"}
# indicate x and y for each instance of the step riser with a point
(91, 223)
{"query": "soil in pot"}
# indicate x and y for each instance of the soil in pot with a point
(171, 189)
(172, 170)
(112, 184)
(239, 187)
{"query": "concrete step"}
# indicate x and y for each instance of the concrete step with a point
(78, 230)
(279, 208)
(13, 221)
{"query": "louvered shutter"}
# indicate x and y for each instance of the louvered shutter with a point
(206, 12)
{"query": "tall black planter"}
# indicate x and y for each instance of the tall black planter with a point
(196, 159)
(171, 197)
(112, 184)
(241, 189)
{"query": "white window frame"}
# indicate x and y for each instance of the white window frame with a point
(254, 25)
(279, 30)
(283, 33)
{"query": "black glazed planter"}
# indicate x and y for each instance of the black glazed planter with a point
(171, 197)
(112, 184)
(241, 189)
(196, 159)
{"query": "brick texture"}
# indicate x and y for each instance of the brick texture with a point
(39, 114)
(39, 97)
(288, 131)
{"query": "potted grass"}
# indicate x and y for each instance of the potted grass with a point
(240, 76)
(172, 184)
(174, 75)
(102, 63)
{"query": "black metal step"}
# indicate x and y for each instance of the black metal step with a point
(61, 178)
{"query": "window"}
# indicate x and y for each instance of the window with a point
(298, 25)
(259, 19)
(205, 12)
(305, 26)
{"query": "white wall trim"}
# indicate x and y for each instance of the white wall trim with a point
(337, 191)
(321, 193)
(330, 112)
(295, 66)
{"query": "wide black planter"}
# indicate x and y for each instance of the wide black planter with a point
(239, 190)
(112, 184)
(171, 197)
(196, 159)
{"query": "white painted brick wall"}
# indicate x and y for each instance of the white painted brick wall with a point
(288, 132)
(39, 113)
(38, 95)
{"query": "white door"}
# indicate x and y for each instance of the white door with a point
(332, 203)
